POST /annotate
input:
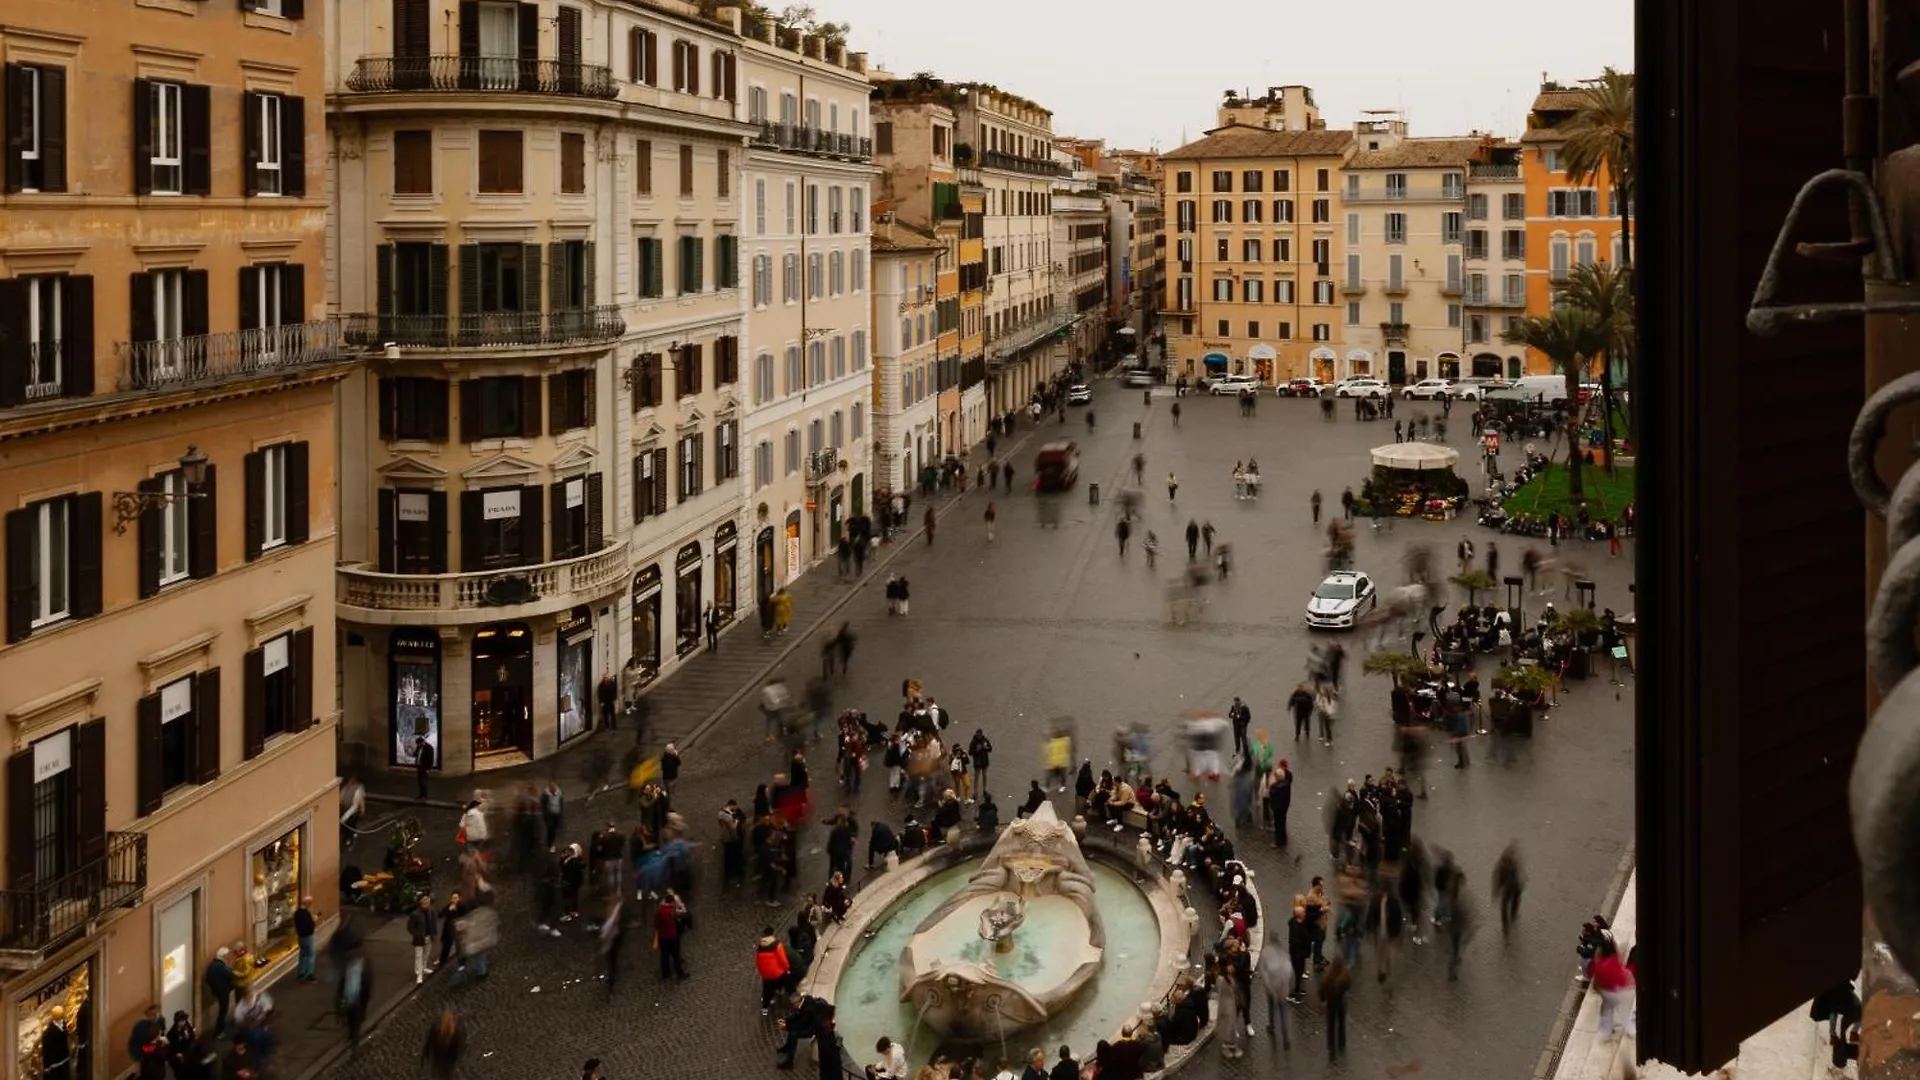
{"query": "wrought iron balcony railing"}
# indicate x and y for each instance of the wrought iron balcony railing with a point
(480, 74)
(1414, 194)
(821, 464)
(1493, 172)
(994, 159)
(802, 139)
(487, 329)
(37, 919)
(183, 363)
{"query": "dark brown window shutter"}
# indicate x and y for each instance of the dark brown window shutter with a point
(13, 342)
(559, 391)
(679, 66)
(386, 407)
(470, 410)
(472, 524)
(596, 515)
(660, 481)
(84, 538)
(293, 292)
(383, 291)
(530, 406)
(90, 758)
(529, 47)
(255, 498)
(469, 32)
(562, 533)
(437, 532)
(22, 590)
(203, 528)
(20, 829)
(303, 714)
(196, 133)
(53, 129)
(193, 302)
(206, 726)
(299, 483)
(293, 144)
(149, 528)
(293, 9)
(251, 146)
(253, 697)
(76, 352)
(143, 142)
(140, 326)
(642, 502)
(532, 535)
(150, 769)
(633, 54)
(389, 501)
(437, 410)
(249, 297)
(686, 169)
(15, 102)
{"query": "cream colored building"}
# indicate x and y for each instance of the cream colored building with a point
(906, 369)
(1403, 277)
(166, 415)
(1496, 258)
(536, 217)
(1280, 108)
(1081, 225)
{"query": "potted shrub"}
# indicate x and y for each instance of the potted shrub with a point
(1584, 628)
(1403, 667)
(1475, 582)
(1521, 689)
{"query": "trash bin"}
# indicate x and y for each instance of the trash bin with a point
(1136, 429)
(1093, 494)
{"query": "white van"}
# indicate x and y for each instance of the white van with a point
(1542, 387)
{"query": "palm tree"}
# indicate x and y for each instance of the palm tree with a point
(1604, 291)
(1570, 338)
(1600, 138)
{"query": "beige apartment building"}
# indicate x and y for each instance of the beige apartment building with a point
(1081, 221)
(1404, 272)
(536, 221)
(1496, 258)
(906, 370)
(166, 411)
(809, 185)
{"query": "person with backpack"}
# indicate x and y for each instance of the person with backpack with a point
(770, 960)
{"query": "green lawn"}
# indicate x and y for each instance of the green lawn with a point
(1547, 492)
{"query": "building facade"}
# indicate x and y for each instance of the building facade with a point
(906, 370)
(809, 183)
(1568, 224)
(1082, 223)
(536, 222)
(1496, 255)
(166, 409)
(1251, 217)
(1403, 274)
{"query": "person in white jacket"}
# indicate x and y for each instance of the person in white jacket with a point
(473, 826)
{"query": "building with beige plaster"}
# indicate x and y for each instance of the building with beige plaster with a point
(906, 372)
(167, 415)
(1082, 223)
(1496, 256)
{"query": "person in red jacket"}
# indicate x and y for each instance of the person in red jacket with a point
(669, 920)
(770, 960)
(1614, 980)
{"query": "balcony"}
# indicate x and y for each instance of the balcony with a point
(1481, 299)
(1021, 338)
(37, 920)
(367, 596)
(1395, 287)
(1353, 288)
(1451, 287)
(821, 465)
(208, 359)
(487, 329)
(480, 74)
(800, 139)
(1395, 333)
(1407, 195)
(994, 159)
(1493, 172)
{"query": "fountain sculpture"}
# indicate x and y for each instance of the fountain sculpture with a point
(1013, 946)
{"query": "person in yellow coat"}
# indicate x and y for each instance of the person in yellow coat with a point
(782, 611)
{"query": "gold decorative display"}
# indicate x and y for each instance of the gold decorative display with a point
(278, 870)
(63, 1001)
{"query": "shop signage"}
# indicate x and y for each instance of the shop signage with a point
(574, 621)
(499, 505)
(646, 582)
(689, 557)
(726, 536)
(176, 700)
(52, 756)
(413, 506)
(1216, 344)
(275, 655)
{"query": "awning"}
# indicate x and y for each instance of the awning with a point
(1262, 352)
(1415, 456)
(1214, 360)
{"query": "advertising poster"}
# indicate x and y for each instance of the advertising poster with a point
(416, 707)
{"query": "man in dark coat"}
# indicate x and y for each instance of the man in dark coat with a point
(881, 842)
(218, 981)
(1279, 801)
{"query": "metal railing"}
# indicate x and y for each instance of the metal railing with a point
(808, 140)
(994, 159)
(44, 360)
(1493, 172)
(179, 363)
(487, 329)
(48, 913)
(1416, 194)
(1022, 338)
(1394, 332)
(1480, 298)
(480, 74)
(822, 464)
(556, 584)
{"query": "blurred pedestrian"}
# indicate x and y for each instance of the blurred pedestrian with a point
(440, 1059)
(990, 516)
(1508, 882)
(1333, 1002)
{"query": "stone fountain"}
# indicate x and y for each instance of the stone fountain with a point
(1015, 944)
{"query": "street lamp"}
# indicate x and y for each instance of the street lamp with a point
(129, 505)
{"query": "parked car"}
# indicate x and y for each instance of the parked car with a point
(1079, 394)
(1368, 388)
(1338, 600)
(1301, 388)
(1233, 384)
(1429, 388)
(1473, 389)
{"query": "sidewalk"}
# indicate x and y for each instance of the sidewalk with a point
(311, 1035)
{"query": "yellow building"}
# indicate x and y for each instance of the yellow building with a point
(166, 410)
(1568, 224)
(1252, 219)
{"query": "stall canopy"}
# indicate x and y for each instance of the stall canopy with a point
(1214, 360)
(1415, 456)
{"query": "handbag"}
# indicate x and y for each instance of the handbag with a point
(461, 836)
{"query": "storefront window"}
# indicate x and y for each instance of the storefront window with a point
(278, 870)
(645, 663)
(503, 690)
(575, 635)
(65, 1002)
(413, 673)
(726, 570)
(688, 614)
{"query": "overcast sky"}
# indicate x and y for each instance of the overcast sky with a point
(1127, 72)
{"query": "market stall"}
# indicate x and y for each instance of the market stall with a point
(1413, 479)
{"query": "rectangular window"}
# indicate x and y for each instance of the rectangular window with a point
(269, 154)
(1353, 272)
(1283, 211)
(1353, 185)
(179, 728)
(691, 472)
(643, 56)
(1223, 289)
(792, 452)
(1397, 313)
(1353, 229)
(413, 163)
(501, 163)
(1513, 289)
(1250, 180)
(1513, 207)
(501, 527)
(648, 386)
(1222, 248)
(686, 171)
(1453, 316)
(723, 174)
(174, 526)
(791, 215)
(168, 158)
(273, 500)
(762, 464)
(1476, 244)
(49, 558)
(1282, 250)
(1396, 228)
(643, 167)
(1222, 211)
(1583, 251)
(1322, 331)
(1250, 251)
(1250, 211)
(573, 163)
(1323, 180)
(1573, 202)
(1453, 186)
(1353, 313)
(1477, 207)
(413, 409)
(693, 269)
(1183, 182)
(1450, 227)
(1396, 273)
(1322, 211)
(1396, 185)
(44, 310)
(1253, 291)
(1283, 291)
(1323, 292)
(686, 67)
(1560, 259)
(1513, 244)
(1222, 180)
(759, 207)
(796, 371)
(1282, 179)
(763, 378)
(36, 128)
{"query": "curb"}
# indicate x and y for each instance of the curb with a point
(341, 1049)
(759, 678)
(1562, 1030)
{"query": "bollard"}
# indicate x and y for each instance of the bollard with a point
(1136, 429)
(1093, 494)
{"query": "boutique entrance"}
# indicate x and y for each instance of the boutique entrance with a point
(502, 694)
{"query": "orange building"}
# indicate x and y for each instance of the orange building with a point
(1568, 224)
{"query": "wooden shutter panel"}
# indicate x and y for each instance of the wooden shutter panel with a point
(293, 9)
(84, 537)
(389, 502)
(558, 395)
(293, 144)
(196, 131)
(530, 281)
(20, 820)
(203, 528)
(250, 142)
(530, 405)
(529, 47)
(256, 507)
(472, 523)
(660, 480)
(14, 350)
(437, 532)
(193, 302)
(253, 709)
(149, 528)
(143, 141)
(53, 129)
(22, 590)
(557, 278)
(386, 408)
(383, 288)
(150, 750)
(299, 484)
(633, 54)
(90, 758)
(469, 280)
(293, 292)
(590, 393)
(470, 410)
(437, 410)
(562, 533)
(249, 296)
(469, 30)
(206, 726)
(679, 66)
(596, 519)
(76, 351)
(531, 533)
(589, 296)
(303, 714)
(437, 257)
(141, 326)
(642, 500)
(15, 104)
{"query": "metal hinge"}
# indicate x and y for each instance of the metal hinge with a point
(1767, 315)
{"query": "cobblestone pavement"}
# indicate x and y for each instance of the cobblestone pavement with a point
(1046, 622)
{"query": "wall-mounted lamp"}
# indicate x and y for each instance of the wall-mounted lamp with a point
(129, 505)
